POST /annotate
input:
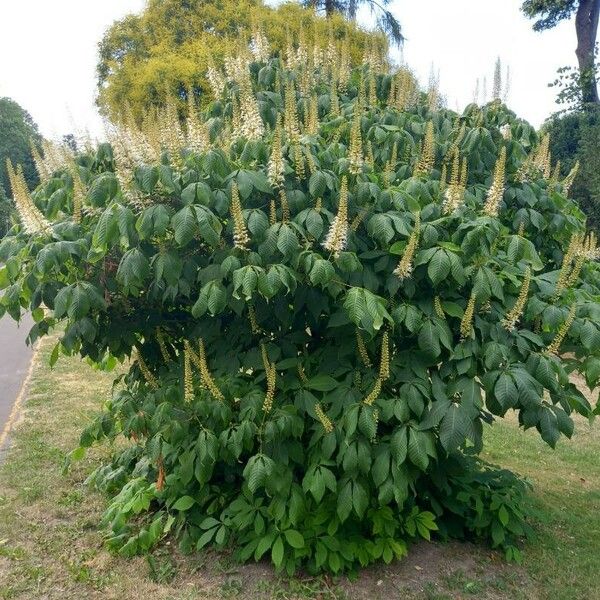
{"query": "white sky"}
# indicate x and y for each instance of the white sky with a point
(48, 52)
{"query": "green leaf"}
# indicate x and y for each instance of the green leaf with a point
(417, 448)
(167, 266)
(439, 267)
(209, 225)
(277, 552)
(198, 193)
(366, 422)
(213, 298)
(184, 503)
(505, 391)
(360, 499)
(428, 339)
(322, 272)
(185, 225)
(399, 444)
(322, 383)
(294, 538)
(344, 502)
(453, 427)
(317, 184)
(503, 516)
(287, 242)
(365, 309)
(133, 271)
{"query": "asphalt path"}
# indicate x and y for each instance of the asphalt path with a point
(15, 357)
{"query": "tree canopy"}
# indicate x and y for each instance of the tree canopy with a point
(17, 132)
(166, 50)
(386, 20)
(548, 13)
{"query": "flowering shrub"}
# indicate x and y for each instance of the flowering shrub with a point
(328, 284)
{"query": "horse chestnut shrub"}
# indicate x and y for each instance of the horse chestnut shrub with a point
(327, 284)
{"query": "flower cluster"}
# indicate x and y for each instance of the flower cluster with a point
(405, 266)
(271, 374)
(384, 364)
(515, 313)
(188, 381)
(362, 350)
(145, 371)
(241, 239)
(466, 323)
(455, 192)
(337, 235)
(427, 157)
(259, 46)
(31, 217)
(554, 346)
(164, 351)
(374, 393)
(323, 418)
(355, 152)
(496, 191)
(200, 361)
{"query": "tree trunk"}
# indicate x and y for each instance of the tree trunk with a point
(586, 26)
(330, 7)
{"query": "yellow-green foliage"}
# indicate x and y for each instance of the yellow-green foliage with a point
(168, 48)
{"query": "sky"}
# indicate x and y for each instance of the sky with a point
(48, 54)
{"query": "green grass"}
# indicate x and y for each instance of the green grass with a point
(50, 545)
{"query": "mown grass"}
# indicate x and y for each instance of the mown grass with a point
(51, 548)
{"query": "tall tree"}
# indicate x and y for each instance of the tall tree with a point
(17, 132)
(386, 21)
(6, 210)
(167, 48)
(551, 12)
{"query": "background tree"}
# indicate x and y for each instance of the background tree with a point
(6, 211)
(168, 48)
(551, 12)
(575, 138)
(386, 21)
(17, 130)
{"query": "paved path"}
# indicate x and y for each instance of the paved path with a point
(15, 357)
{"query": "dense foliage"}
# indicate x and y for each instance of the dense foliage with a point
(6, 210)
(328, 287)
(575, 138)
(165, 51)
(17, 132)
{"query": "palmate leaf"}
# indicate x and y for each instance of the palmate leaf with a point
(322, 272)
(185, 225)
(317, 184)
(439, 266)
(429, 339)
(168, 266)
(365, 309)
(153, 220)
(212, 299)
(506, 391)
(417, 448)
(209, 225)
(454, 427)
(105, 232)
(133, 271)
(287, 242)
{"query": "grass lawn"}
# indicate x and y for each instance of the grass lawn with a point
(50, 546)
